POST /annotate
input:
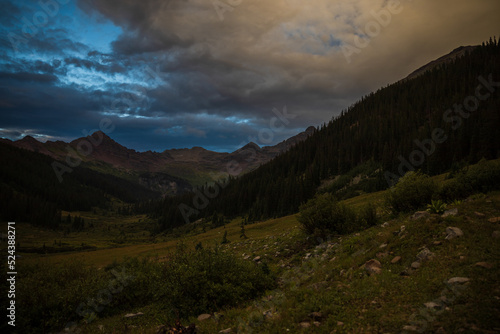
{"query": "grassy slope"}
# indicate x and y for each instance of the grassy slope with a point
(332, 280)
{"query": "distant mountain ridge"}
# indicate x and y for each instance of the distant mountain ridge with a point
(192, 164)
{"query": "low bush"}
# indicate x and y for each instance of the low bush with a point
(323, 215)
(187, 284)
(413, 191)
(482, 177)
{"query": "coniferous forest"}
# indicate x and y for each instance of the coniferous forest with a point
(383, 126)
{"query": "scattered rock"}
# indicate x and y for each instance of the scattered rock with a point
(425, 254)
(458, 280)
(415, 265)
(396, 259)
(204, 316)
(495, 234)
(410, 328)
(420, 215)
(432, 305)
(305, 324)
(226, 331)
(451, 212)
(494, 220)
(373, 267)
(484, 265)
(453, 232)
(316, 315)
(133, 315)
(479, 214)
(256, 259)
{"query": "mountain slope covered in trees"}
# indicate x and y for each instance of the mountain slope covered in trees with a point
(447, 116)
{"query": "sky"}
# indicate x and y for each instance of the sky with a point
(213, 73)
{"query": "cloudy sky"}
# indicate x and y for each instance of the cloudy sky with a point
(184, 73)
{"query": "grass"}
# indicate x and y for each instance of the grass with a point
(326, 276)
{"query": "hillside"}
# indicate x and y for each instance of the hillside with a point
(405, 274)
(432, 121)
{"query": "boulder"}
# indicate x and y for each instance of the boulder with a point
(396, 259)
(425, 254)
(204, 316)
(419, 215)
(453, 232)
(451, 212)
(458, 280)
(373, 267)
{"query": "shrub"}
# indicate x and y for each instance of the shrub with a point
(324, 214)
(482, 177)
(436, 207)
(413, 191)
(369, 215)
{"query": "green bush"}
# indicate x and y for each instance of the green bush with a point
(189, 283)
(413, 191)
(482, 177)
(436, 206)
(323, 214)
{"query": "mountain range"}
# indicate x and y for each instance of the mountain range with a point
(171, 171)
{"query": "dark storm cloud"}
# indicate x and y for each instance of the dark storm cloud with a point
(177, 75)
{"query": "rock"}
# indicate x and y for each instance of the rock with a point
(133, 315)
(494, 220)
(437, 243)
(381, 255)
(373, 267)
(317, 323)
(305, 324)
(396, 259)
(226, 331)
(425, 254)
(204, 316)
(246, 257)
(383, 246)
(340, 323)
(256, 259)
(451, 212)
(316, 315)
(415, 265)
(101, 328)
(495, 234)
(484, 265)
(453, 232)
(479, 214)
(410, 328)
(458, 280)
(385, 224)
(420, 215)
(432, 305)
